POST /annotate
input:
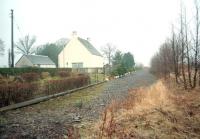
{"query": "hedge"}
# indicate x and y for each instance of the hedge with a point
(16, 92)
(19, 92)
(19, 71)
(55, 86)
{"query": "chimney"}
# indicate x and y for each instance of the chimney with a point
(74, 34)
(88, 39)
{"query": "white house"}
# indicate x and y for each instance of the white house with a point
(79, 53)
(35, 61)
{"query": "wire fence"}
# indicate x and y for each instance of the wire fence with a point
(96, 74)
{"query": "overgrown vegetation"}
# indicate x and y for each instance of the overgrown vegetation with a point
(30, 77)
(118, 63)
(30, 85)
(45, 75)
(180, 54)
(122, 63)
(160, 111)
(55, 86)
(64, 74)
(16, 92)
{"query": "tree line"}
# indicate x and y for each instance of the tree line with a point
(179, 55)
(118, 63)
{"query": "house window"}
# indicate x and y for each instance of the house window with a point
(77, 65)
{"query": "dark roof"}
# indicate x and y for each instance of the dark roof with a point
(89, 47)
(39, 59)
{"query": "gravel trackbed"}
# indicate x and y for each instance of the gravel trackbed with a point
(52, 118)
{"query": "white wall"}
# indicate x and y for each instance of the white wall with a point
(75, 52)
(23, 62)
(47, 66)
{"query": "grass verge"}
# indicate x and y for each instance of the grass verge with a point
(159, 111)
(76, 99)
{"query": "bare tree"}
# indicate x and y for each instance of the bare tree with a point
(25, 45)
(182, 41)
(166, 58)
(163, 57)
(1, 47)
(196, 47)
(199, 69)
(108, 51)
(175, 54)
(155, 64)
(187, 45)
(185, 52)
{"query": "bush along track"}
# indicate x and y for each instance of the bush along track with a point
(16, 92)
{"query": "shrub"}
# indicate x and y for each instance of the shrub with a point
(2, 81)
(81, 74)
(63, 74)
(31, 76)
(18, 79)
(1, 77)
(56, 86)
(119, 70)
(16, 92)
(45, 75)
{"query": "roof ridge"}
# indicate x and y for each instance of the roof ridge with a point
(89, 47)
(36, 55)
(39, 59)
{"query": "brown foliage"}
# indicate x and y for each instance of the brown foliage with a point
(16, 92)
(31, 76)
(73, 133)
(153, 112)
(64, 74)
(45, 75)
(56, 86)
(108, 126)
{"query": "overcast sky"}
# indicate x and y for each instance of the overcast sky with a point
(138, 26)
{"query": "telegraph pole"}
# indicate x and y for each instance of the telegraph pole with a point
(63, 57)
(12, 42)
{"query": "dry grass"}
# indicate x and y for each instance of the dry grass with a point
(159, 111)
